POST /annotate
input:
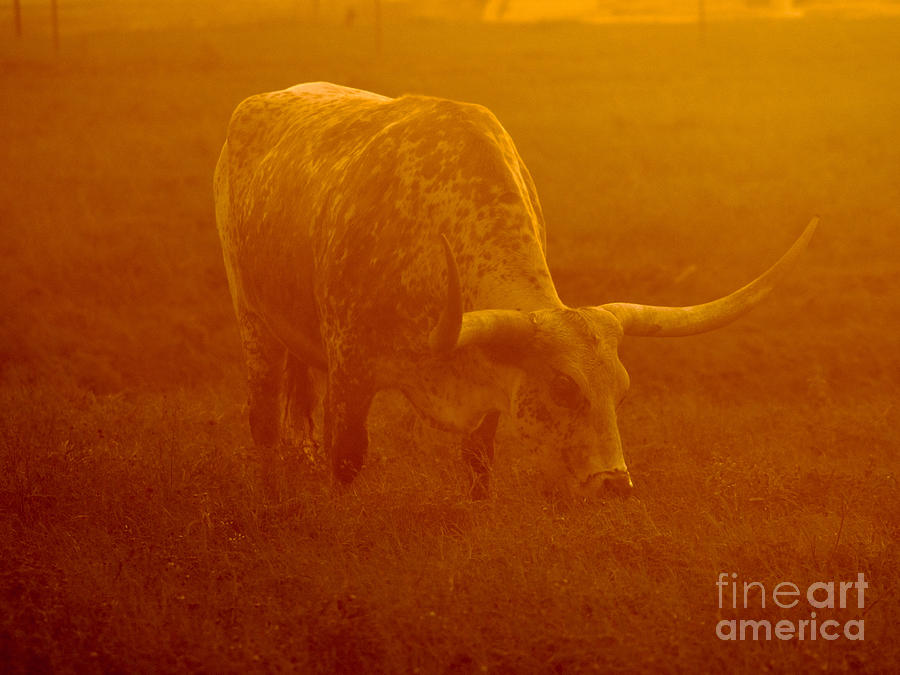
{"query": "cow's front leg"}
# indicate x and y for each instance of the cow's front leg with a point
(478, 452)
(346, 438)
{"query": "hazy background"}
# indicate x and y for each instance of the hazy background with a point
(92, 15)
(674, 163)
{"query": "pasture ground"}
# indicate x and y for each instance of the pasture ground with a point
(134, 535)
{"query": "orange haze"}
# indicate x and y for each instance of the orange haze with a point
(674, 162)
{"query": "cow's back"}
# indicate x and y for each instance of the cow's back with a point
(336, 200)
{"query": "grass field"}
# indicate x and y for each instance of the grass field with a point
(134, 535)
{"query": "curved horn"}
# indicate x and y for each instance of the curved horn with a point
(455, 329)
(495, 326)
(444, 335)
(650, 321)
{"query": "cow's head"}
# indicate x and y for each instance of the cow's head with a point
(565, 402)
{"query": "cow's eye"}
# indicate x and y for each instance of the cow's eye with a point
(565, 391)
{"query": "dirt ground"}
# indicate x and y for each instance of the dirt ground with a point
(672, 167)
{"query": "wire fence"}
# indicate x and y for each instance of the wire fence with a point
(65, 17)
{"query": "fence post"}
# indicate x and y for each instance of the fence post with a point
(17, 13)
(378, 26)
(54, 12)
(701, 18)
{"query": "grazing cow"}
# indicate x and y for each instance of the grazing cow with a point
(399, 244)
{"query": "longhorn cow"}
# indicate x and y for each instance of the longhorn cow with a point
(398, 243)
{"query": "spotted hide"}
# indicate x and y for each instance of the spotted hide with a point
(399, 244)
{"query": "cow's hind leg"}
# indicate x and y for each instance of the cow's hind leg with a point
(265, 361)
(478, 452)
(301, 397)
(347, 402)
